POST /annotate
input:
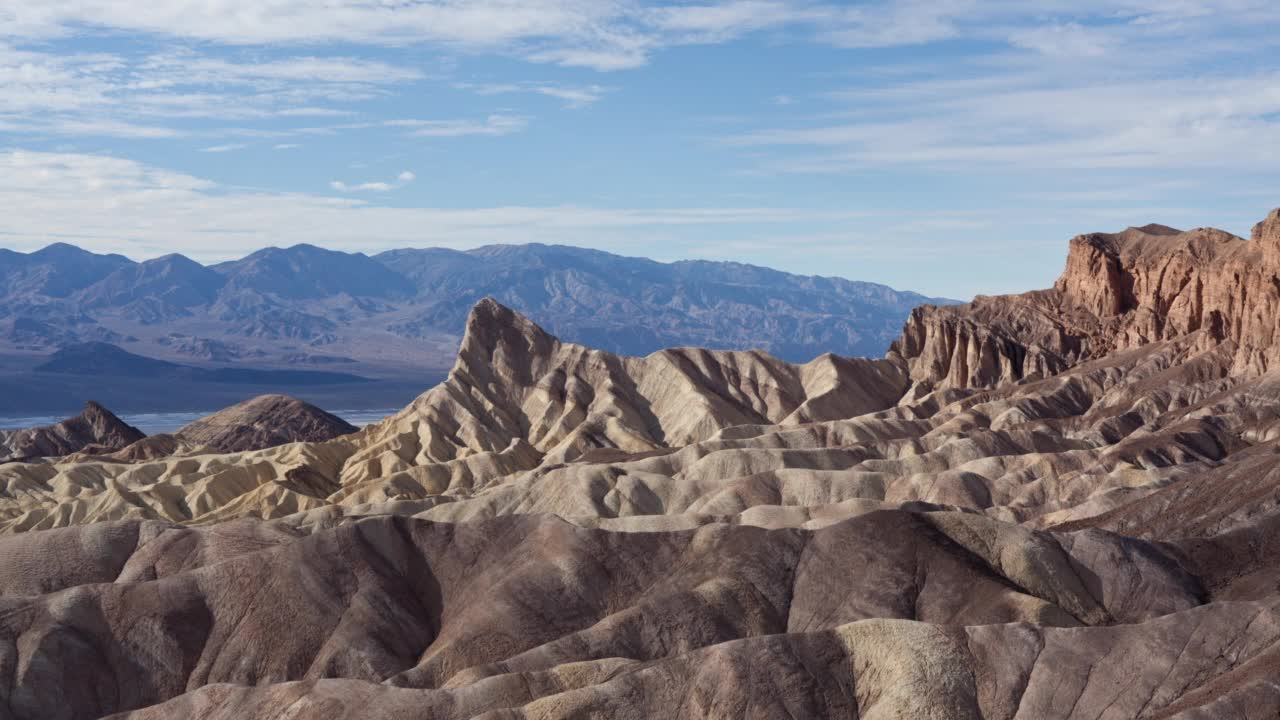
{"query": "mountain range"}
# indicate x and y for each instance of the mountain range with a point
(405, 309)
(1062, 504)
(104, 360)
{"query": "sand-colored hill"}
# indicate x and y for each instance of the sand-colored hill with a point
(1063, 504)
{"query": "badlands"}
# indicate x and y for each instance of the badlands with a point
(1061, 504)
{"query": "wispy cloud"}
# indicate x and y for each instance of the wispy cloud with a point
(43, 91)
(1065, 40)
(224, 148)
(601, 35)
(102, 127)
(81, 197)
(401, 180)
(572, 96)
(1202, 122)
(492, 125)
(1141, 86)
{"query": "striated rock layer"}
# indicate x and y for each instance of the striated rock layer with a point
(1062, 504)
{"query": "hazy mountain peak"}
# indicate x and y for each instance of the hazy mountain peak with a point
(309, 272)
(55, 271)
(349, 302)
(62, 250)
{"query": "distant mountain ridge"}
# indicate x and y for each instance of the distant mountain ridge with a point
(106, 360)
(409, 306)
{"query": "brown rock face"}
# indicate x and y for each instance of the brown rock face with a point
(1063, 504)
(95, 429)
(264, 422)
(1119, 291)
(542, 618)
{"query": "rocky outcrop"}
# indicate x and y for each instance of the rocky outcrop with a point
(264, 422)
(993, 341)
(1118, 291)
(519, 397)
(95, 430)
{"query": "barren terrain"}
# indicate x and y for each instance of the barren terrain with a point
(1062, 504)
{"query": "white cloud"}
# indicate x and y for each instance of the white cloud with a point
(312, 112)
(600, 34)
(602, 59)
(718, 21)
(362, 187)
(493, 125)
(110, 204)
(187, 68)
(286, 146)
(90, 128)
(1069, 40)
(527, 26)
(572, 97)
(401, 180)
(1144, 86)
(46, 92)
(224, 148)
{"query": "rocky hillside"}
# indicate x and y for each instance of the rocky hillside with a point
(95, 430)
(1063, 504)
(306, 305)
(1118, 292)
(98, 436)
(264, 422)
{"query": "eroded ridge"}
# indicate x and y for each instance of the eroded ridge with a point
(1062, 504)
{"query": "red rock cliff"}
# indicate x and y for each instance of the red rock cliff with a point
(1118, 291)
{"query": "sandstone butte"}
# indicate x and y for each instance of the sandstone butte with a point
(1061, 504)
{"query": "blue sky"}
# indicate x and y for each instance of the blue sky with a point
(949, 147)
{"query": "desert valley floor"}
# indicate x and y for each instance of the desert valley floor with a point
(1061, 504)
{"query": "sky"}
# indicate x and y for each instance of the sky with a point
(950, 147)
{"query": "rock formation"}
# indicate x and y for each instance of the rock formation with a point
(264, 422)
(1119, 291)
(1062, 504)
(95, 430)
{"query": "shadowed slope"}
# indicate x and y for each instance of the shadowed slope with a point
(488, 615)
